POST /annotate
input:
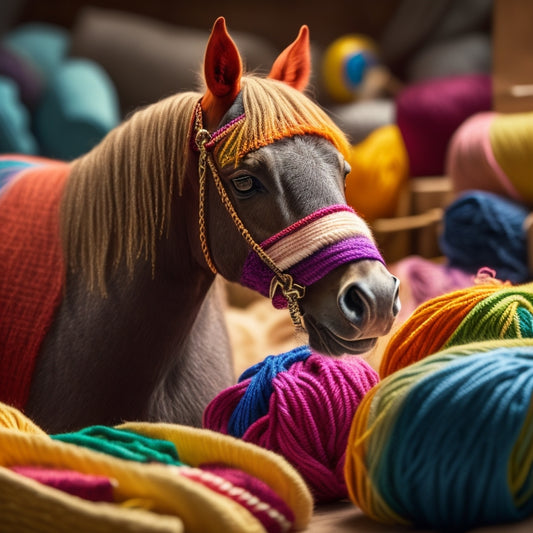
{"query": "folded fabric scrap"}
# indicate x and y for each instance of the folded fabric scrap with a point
(141, 482)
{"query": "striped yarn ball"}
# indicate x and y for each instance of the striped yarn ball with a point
(299, 404)
(446, 442)
(481, 312)
(493, 152)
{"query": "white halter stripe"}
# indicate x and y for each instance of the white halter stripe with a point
(316, 235)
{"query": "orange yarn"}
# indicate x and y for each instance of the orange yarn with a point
(431, 325)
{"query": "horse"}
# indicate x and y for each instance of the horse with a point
(114, 309)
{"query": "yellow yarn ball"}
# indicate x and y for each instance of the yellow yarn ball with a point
(380, 168)
(344, 61)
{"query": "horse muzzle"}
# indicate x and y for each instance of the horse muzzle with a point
(345, 294)
(347, 310)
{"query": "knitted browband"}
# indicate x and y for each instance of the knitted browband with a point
(310, 249)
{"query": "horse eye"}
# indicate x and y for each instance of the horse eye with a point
(244, 184)
(347, 168)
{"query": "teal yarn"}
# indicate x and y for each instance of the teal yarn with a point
(15, 121)
(448, 441)
(45, 46)
(466, 419)
(79, 107)
(123, 444)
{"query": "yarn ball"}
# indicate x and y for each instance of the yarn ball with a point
(299, 404)
(424, 279)
(428, 113)
(485, 229)
(345, 64)
(493, 152)
(379, 172)
(444, 443)
(481, 312)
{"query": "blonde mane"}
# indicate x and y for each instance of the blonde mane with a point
(118, 199)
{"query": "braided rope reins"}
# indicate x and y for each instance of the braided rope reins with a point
(205, 143)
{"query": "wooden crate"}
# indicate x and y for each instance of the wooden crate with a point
(415, 228)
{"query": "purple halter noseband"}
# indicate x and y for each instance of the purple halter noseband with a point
(309, 249)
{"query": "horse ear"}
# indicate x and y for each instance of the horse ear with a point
(222, 71)
(293, 65)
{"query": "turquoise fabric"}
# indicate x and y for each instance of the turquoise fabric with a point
(44, 45)
(123, 444)
(15, 132)
(79, 107)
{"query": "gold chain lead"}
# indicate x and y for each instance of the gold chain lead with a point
(282, 280)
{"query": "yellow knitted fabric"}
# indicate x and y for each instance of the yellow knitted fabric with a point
(196, 447)
(26, 505)
(152, 487)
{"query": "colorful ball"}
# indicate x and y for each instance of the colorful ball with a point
(493, 152)
(299, 404)
(345, 64)
(481, 312)
(444, 443)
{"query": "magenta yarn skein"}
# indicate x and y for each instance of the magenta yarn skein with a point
(428, 113)
(302, 410)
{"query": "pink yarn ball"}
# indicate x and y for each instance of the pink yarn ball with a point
(428, 113)
(309, 409)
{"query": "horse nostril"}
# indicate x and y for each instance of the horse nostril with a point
(396, 305)
(353, 304)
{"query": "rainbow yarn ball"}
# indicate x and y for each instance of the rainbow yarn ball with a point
(345, 64)
(488, 311)
(299, 404)
(446, 443)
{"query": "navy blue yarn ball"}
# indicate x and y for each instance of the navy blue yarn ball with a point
(482, 229)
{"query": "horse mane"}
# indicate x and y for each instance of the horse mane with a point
(118, 199)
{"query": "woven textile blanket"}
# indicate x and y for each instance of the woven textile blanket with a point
(31, 266)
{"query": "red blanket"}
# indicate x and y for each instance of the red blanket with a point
(31, 272)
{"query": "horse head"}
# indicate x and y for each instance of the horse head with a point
(272, 210)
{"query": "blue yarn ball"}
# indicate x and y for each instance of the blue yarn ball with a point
(445, 442)
(462, 477)
(483, 229)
